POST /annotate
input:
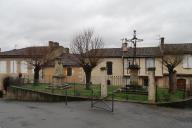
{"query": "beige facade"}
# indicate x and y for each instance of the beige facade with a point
(46, 73)
(121, 73)
(143, 72)
(98, 74)
(161, 72)
(76, 75)
(17, 61)
(13, 66)
(118, 59)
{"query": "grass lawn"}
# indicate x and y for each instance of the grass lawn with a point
(164, 96)
(74, 90)
(79, 90)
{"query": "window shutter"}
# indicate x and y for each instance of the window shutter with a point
(150, 62)
(3, 66)
(190, 61)
(185, 62)
(109, 68)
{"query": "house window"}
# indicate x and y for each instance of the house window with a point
(23, 67)
(3, 68)
(13, 65)
(69, 71)
(109, 66)
(150, 62)
(187, 61)
(145, 82)
(127, 63)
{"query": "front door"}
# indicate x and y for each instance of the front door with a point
(181, 84)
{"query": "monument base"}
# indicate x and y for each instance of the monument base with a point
(134, 69)
(58, 80)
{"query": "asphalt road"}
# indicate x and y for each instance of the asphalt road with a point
(15, 114)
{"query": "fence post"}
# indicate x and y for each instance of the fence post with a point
(112, 100)
(126, 91)
(156, 95)
(184, 92)
(190, 91)
(92, 98)
(66, 97)
(74, 89)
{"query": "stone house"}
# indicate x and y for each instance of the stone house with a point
(113, 65)
(73, 73)
(16, 61)
(109, 65)
(116, 61)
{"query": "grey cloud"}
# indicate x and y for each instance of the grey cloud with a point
(34, 22)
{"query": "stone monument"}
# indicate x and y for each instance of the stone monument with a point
(152, 85)
(103, 85)
(134, 67)
(58, 76)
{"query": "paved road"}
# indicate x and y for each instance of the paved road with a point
(79, 115)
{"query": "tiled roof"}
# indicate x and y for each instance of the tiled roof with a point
(144, 52)
(67, 60)
(185, 48)
(25, 52)
(117, 52)
(109, 52)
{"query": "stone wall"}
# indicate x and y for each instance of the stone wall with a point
(18, 93)
(187, 103)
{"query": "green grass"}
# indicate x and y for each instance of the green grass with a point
(164, 96)
(79, 90)
(75, 90)
(131, 97)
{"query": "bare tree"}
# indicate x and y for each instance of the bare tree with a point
(170, 62)
(86, 47)
(41, 56)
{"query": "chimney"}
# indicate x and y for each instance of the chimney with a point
(53, 44)
(66, 50)
(56, 44)
(124, 46)
(162, 39)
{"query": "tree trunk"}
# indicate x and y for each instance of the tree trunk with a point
(171, 80)
(88, 79)
(36, 74)
(174, 81)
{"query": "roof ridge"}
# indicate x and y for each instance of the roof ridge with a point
(177, 43)
(26, 48)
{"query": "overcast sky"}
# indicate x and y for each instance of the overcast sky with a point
(35, 22)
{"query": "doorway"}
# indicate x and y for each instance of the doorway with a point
(181, 84)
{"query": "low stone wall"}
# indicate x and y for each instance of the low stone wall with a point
(187, 103)
(18, 93)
